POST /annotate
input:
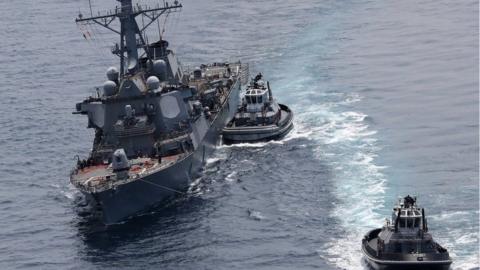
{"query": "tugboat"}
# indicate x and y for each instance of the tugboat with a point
(404, 242)
(155, 123)
(260, 117)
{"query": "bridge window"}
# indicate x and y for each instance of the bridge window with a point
(410, 222)
(417, 222)
(401, 223)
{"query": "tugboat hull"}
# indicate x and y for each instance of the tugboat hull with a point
(385, 265)
(137, 196)
(260, 133)
(409, 267)
(401, 261)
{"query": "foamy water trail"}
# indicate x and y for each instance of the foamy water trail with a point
(462, 237)
(347, 142)
(68, 191)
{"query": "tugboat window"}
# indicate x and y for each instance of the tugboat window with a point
(417, 222)
(402, 223)
(410, 222)
(259, 99)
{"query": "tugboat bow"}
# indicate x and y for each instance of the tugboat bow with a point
(404, 242)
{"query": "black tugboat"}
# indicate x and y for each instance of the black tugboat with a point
(259, 117)
(404, 243)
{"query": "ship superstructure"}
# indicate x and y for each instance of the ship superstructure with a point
(155, 122)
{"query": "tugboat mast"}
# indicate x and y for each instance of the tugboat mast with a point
(129, 29)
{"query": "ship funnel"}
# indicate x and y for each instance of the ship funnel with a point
(120, 161)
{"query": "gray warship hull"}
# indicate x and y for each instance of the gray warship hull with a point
(135, 197)
(401, 261)
(260, 133)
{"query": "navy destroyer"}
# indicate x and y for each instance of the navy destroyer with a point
(259, 117)
(155, 122)
(404, 242)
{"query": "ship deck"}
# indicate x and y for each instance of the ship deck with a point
(101, 176)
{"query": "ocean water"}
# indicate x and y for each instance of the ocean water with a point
(385, 95)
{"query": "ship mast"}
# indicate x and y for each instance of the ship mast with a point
(129, 29)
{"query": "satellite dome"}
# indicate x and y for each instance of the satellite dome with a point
(109, 88)
(160, 69)
(153, 83)
(112, 74)
(197, 73)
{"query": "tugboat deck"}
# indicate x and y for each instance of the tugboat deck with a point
(284, 116)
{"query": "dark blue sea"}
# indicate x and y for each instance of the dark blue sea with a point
(386, 102)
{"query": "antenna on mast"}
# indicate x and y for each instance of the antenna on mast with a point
(90, 6)
(129, 31)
